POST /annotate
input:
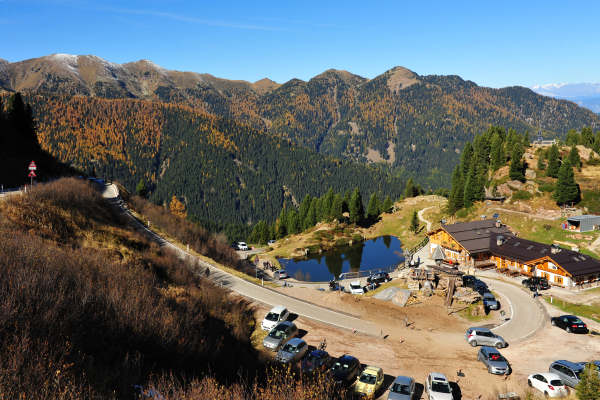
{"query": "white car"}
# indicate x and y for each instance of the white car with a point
(275, 316)
(548, 383)
(438, 387)
(280, 274)
(356, 288)
(242, 246)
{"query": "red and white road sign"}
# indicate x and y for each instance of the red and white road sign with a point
(32, 174)
(32, 166)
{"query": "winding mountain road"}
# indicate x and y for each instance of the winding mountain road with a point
(247, 289)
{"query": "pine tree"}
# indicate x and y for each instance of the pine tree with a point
(516, 165)
(387, 205)
(337, 207)
(574, 158)
(311, 216)
(304, 206)
(456, 199)
(282, 224)
(541, 163)
(567, 190)
(553, 161)
(588, 387)
(465, 158)
(470, 188)
(414, 223)
(409, 189)
(357, 209)
(497, 152)
(373, 208)
(587, 137)
(141, 189)
(177, 207)
(293, 222)
(327, 204)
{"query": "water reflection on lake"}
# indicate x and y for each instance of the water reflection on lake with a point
(373, 254)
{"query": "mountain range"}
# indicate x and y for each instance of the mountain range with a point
(235, 151)
(584, 94)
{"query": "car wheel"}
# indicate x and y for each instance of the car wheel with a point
(499, 345)
(553, 322)
(568, 329)
(474, 343)
(529, 383)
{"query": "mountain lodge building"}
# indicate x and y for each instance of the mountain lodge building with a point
(486, 243)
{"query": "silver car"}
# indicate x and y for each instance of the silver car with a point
(279, 335)
(292, 351)
(403, 388)
(484, 337)
(438, 387)
(493, 360)
(568, 371)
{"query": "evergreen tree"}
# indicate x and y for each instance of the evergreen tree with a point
(311, 216)
(304, 206)
(141, 189)
(282, 224)
(497, 152)
(588, 387)
(346, 203)
(293, 222)
(567, 190)
(456, 199)
(357, 209)
(387, 205)
(541, 163)
(409, 189)
(553, 161)
(573, 138)
(337, 207)
(414, 222)
(587, 137)
(516, 165)
(465, 158)
(373, 208)
(470, 190)
(574, 158)
(327, 204)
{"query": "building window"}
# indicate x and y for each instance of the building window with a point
(558, 279)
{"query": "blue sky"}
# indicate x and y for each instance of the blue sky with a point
(492, 43)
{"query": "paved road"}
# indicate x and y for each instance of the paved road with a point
(248, 289)
(526, 314)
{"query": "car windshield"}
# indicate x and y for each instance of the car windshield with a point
(556, 382)
(277, 333)
(440, 387)
(488, 296)
(400, 388)
(272, 317)
(368, 378)
(338, 366)
(290, 348)
(355, 286)
(575, 320)
(496, 357)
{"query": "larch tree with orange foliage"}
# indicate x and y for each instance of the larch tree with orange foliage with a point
(177, 207)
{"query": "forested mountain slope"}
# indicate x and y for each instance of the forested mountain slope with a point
(411, 122)
(223, 171)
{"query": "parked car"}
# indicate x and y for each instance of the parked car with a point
(403, 388)
(292, 351)
(345, 369)
(480, 287)
(242, 246)
(316, 361)
(356, 288)
(538, 282)
(569, 372)
(279, 335)
(369, 382)
(280, 274)
(569, 323)
(271, 242)
(379, 277)
(490, 302)
(438, 387)
(468, 280)
(275, 316)
(485, 337)
(548, 383)
(493, 360)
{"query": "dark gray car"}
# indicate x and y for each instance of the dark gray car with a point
(569, 372)
(484, 337)
(493, 360)
(490, 301)
(279, 335)
(292, 351)
(403, 388)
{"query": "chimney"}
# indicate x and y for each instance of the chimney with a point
(554, 249)
(499, 240)
(498, 223)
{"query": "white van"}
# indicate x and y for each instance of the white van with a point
(356, 288)
(275, 316)
(242, 246)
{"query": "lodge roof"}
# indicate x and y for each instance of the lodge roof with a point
(475, 236)
(524, 251)
(583, 217)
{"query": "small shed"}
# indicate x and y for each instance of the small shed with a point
(582, 223)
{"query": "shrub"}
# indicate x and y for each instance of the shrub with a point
(546, 187)
(521, 195)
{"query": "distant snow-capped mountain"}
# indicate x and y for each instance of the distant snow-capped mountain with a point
(584, 94)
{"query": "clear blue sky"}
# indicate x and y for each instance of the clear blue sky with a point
(496, 44)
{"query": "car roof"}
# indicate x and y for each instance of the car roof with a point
(569, 316)
(405, 380)
(490, 349)
(372, 369)
(285, 323)
(570, 364)
(437, 376)
(277, 309)
(347, 357)
(475, 328)
(296, 341)
(548, 375)
(355, 283)
(319, 353)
